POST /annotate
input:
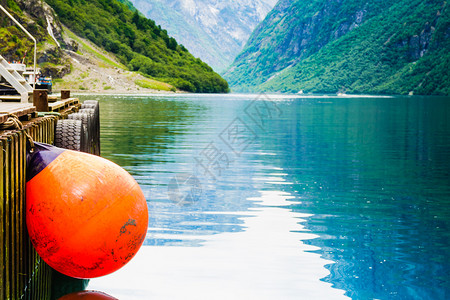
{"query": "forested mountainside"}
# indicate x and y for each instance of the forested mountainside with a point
(139, 43)
(351, 46)
(214, 30)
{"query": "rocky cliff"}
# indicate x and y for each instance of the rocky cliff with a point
(41, 21)
(356, 46)
(215, 31)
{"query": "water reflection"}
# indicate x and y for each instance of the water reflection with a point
(369, 177)
(157, 139)
(374, 174)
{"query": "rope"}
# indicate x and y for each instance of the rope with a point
(13, 122)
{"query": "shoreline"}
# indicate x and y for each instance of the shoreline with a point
(238, 95)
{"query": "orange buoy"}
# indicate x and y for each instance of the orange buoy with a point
(86, 216)
(87, 295)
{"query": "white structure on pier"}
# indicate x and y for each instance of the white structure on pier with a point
(12, 73)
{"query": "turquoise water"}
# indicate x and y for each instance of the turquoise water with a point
(367, 178)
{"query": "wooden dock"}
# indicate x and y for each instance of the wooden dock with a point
(28, 109)
(18, 109)
(62, 104)
(23, 274)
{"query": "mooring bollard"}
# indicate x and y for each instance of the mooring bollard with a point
(40, 100)
(65, 94)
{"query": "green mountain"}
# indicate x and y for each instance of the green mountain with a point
(116, 27)
(351, 46)
(138, 42)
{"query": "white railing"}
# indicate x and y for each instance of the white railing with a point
(29, 35)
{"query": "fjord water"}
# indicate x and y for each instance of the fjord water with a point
(285, 197)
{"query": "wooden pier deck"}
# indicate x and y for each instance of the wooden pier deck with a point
(18, 109)
(62, 104)
(24, 109)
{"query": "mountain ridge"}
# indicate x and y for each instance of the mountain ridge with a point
(330, 46)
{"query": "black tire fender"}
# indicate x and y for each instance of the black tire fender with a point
(95, 115)
(70, 134)
(88, 126)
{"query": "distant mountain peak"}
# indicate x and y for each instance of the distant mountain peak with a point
(214, 30)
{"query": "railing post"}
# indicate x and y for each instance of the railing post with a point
(65, 94)
(40, 100)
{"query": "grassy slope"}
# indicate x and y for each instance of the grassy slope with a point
(100, 55)
(94, 73)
